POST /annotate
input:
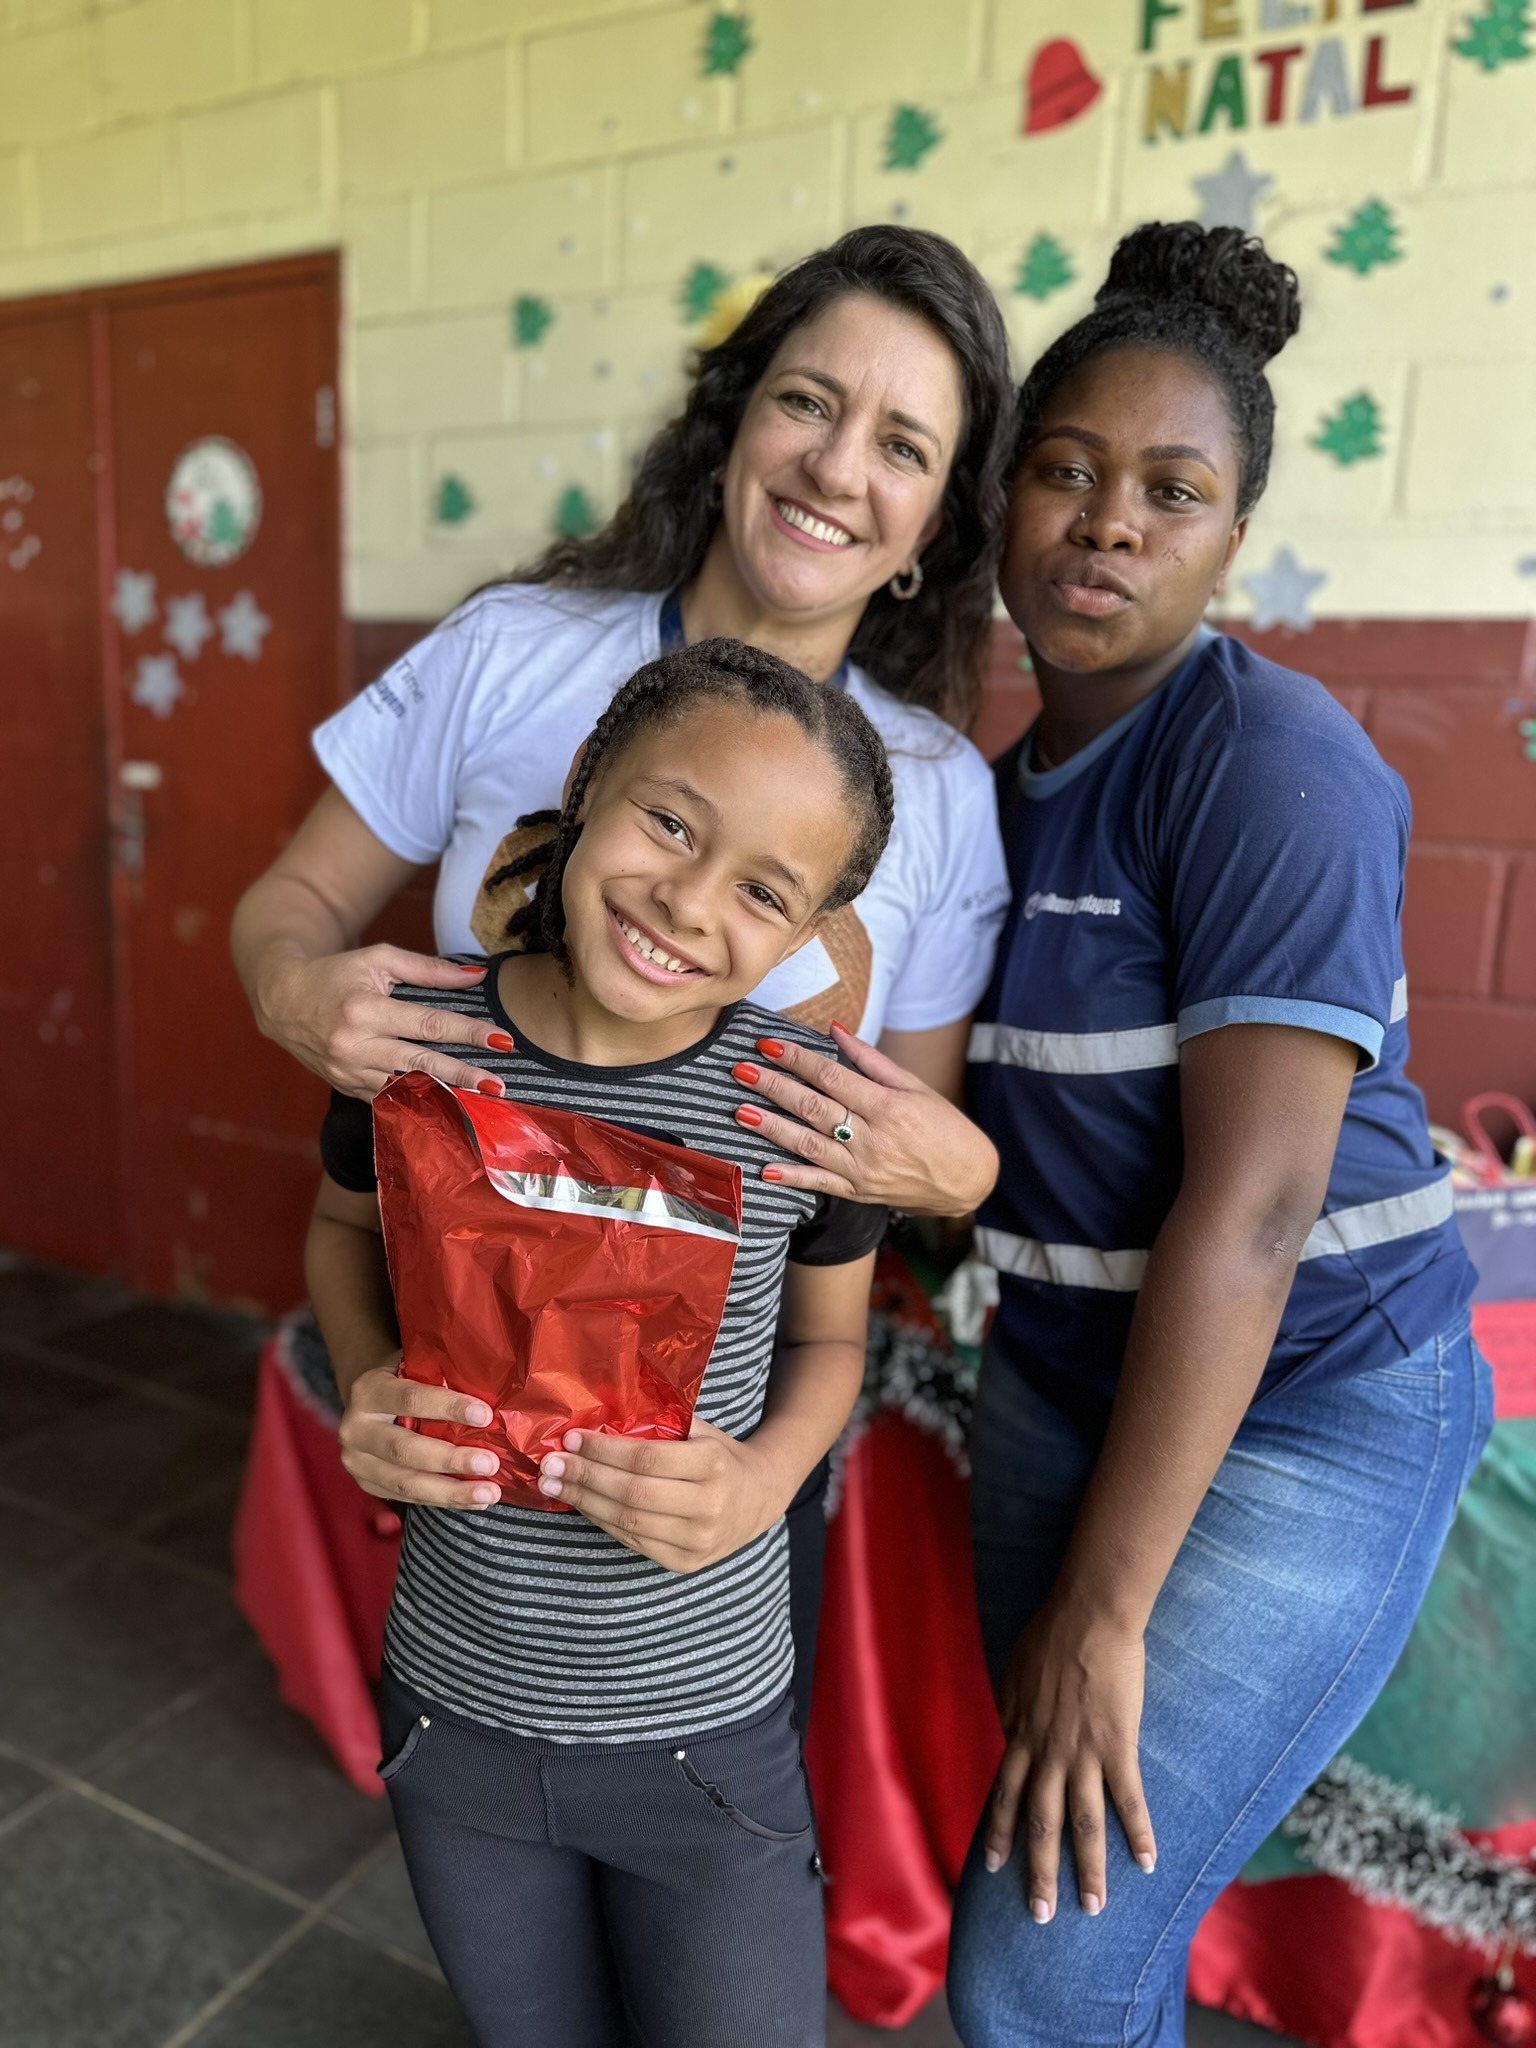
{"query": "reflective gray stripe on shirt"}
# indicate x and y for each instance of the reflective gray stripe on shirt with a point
(1345, 1231)
(1064, 1265)
(1075, 1052)
(1100, 1052)
(1355, 1230)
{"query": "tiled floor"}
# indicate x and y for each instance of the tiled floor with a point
(179, 1861)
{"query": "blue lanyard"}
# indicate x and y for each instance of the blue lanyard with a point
(672, 637)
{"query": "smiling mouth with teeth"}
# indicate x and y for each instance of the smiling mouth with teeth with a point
(648, 950)
(807, 522)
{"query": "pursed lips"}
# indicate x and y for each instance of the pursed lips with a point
(1093, 593)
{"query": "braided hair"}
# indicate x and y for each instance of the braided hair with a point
(713, 671)
(1213, 295)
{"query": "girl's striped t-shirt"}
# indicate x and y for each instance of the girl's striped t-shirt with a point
(540, 1623)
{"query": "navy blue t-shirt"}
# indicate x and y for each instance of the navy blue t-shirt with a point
(1231, 851)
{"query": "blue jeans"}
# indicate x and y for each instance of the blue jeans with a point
(1281, 1620)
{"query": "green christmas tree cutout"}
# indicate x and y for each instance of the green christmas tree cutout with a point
(727, 40)
(1367, 238)
(575, 515)
(223, 526)
(531, 320)
(909, 138)
(700, 289)
(1500, 35)
(1353, 432)
(1044, 268)
(454, 503)
(1527, 732)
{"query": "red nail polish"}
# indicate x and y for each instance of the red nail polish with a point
(746, 1072)
(465, 968)
(500, 1041)
(836, 1026)
(770, 1048)
(773, 1173)
(748, 1115)
(490, 1087)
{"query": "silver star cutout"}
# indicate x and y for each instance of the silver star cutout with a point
(157, 684)
(1282, 593)
(133, 599)
(188, 627)
(1228, 196)
(243, 625)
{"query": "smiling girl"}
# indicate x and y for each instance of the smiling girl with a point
(588, 1737)
(1231, 1394)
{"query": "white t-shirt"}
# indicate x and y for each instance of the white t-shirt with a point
(479, 722)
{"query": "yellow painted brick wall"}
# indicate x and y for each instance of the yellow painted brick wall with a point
(581, 155)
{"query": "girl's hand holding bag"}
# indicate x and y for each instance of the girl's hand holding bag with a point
(568, 1272)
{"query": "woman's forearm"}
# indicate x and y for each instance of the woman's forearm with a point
(282, 918)
(321, 893)
(1205, 1322)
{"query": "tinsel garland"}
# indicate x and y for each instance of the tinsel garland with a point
(907, 1371)
(1395, 1847)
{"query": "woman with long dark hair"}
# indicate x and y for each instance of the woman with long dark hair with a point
(832, 492)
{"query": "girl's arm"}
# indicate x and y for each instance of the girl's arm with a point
(330, 1007)
(1261, 1109)
(690, 1504)
(349, 1288)
(912, 1148)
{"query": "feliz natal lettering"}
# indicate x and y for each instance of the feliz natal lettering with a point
(1290, 81)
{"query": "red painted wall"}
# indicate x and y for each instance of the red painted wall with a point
(1443, 700)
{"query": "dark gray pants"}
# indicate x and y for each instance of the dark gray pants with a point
(614, 1895)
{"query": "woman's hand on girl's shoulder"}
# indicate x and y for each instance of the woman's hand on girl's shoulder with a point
(686, 1505)
(400, 1464)
(338, 1016)
(910, 1148)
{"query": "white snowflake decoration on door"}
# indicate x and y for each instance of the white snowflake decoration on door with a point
(213, 502)
(133, 599)
(243, 625)
(188, 627)
(21, 547)
(157, 684)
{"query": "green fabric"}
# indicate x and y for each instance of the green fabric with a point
(1455, 1718)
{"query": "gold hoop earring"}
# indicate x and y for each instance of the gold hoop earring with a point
(914, 584)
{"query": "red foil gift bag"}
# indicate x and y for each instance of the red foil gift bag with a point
(569, 1273)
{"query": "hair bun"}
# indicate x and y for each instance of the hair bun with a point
(1232, 273)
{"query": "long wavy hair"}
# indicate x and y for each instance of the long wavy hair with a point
(928, 650)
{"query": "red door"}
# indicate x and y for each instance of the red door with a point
(60, 1194)
(217, 648)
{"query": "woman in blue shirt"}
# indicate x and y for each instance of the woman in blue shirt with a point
(1231, 1395)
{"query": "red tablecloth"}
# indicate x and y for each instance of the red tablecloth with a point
(314, 1567)
(1305, 1957)
(903, 1738)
